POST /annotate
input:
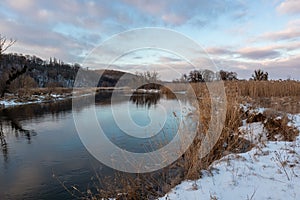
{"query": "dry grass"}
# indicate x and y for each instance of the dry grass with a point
(288, 104)
(269, 89)
(228, 141)
(279, 129)
(175, 87)
(43, 91)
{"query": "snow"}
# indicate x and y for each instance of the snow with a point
(35, 99)
(251, 110)
(9, 103)
(180, 92)
(56, 95)
(145, 90)
(253, 132)
(40, 99)
(271, 170)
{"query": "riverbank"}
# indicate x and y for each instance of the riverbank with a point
(37, 95)
(270, 170)
(45, 95)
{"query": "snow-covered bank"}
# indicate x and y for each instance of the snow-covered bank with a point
(271, 170)
(145, 91)
(14, 101)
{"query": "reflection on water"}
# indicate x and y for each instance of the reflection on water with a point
(40, 139)
(32, 146)
(14, 127)
(3, 143)
(11, 120)
(143, 99)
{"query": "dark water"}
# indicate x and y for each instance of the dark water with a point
(40, 148)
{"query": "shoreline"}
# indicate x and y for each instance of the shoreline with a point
(45, 95)
(41, 95)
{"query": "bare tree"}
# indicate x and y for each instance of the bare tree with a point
(5, 44)
(146, 80)
(14, 73)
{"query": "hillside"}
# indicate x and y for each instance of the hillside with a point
(53, 72)
(111, 77)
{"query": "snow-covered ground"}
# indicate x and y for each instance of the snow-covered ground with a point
(40, 99)
(145, 90)
(34, 99)
(271, 170)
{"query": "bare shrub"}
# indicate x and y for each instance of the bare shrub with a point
(278, 129)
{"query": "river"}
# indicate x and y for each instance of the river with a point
(42, 154)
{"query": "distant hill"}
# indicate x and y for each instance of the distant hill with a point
(113, 77)
(54, 72)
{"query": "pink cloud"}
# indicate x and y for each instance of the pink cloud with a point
(255, 53)
(21, 4)
(291, 31)
(150, 7)
(173, 19)
(160, 9)
(42, 44)
(289, 7)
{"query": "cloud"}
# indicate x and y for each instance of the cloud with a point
(21, 4)
(167, 71)
(43, 44)
(69, 29)
(219, 51)
(80, 25)
(281, 60)
(174, 19)
(278, 69)
(168, 59)
(283, 67)
(176, 12)
(258, 53)
(289, 7)
(154, 7)
(86, 14)
(253, 53)
(291, 62)
(289, 33)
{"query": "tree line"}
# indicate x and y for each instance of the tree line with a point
(206, 75)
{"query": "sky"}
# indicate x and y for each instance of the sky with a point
(237, 35)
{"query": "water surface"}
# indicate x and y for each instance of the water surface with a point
(40, 147)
